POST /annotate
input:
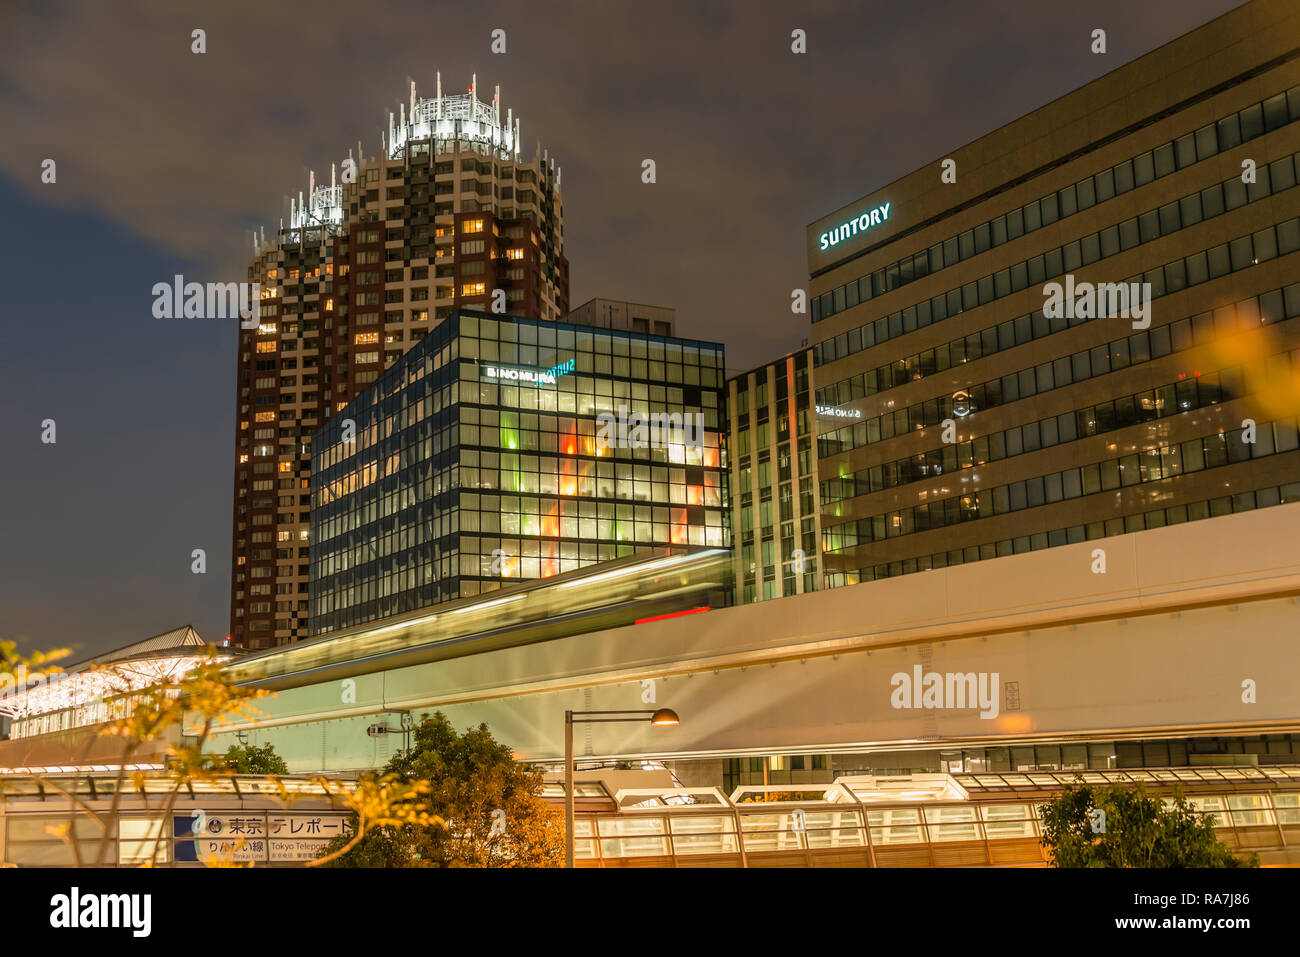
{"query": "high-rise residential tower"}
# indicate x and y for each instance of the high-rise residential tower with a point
(451, 213)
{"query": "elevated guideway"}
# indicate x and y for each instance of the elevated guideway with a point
(1191, 629)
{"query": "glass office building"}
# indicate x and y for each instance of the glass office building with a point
(502, 449)
(985, 400)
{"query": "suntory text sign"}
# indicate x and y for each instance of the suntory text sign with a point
(859, 224)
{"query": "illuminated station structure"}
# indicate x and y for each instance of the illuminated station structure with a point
(451, 213)
(53, 720)
(503, 449)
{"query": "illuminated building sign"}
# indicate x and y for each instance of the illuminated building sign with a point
(534, 376)
(833, 412)
(859, 224)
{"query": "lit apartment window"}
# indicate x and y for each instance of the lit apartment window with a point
(514, 254)
(361, 358)
(366, 338)
(264, 417)
(286, 466)
(472, 226)
(269, 345)
(472, 289)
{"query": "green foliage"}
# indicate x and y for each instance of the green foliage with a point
(1137, 830)
(254, 760)
(470, 776)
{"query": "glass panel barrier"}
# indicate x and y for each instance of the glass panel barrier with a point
(698, 834)
(771, 832)
(1250, 810)
(956, 823)
(1288, 808)
(1003, 821)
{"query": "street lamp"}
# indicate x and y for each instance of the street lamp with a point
(663, 717)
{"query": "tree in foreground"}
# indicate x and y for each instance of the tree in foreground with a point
(251, 759)
(490, 809)
(1087, 826)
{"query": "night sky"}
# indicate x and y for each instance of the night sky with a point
(167, 160)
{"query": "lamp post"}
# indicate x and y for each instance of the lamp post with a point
(663, 717)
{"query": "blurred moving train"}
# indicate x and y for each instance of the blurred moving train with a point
(650, 584)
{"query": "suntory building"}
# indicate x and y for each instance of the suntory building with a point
(1077, 326)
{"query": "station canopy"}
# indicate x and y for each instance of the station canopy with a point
(124, 670)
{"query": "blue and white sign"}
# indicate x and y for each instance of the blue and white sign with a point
(533, 376)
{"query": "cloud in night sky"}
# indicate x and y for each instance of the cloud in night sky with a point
(168, 160)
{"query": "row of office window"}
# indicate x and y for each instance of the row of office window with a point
(1259, 247)
(1265, 497)
(1188, 393)
(591, 479)
(1149, 465)
(1112, 240)
(1210, 140)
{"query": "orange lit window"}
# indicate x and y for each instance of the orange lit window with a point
(270, 345)
(514, 254)
(472, 226)
(264, 417)
(293, 274)
(329, 269)
(340, 407)
(473, 289)
(329, 305)
(243, 458)
(272, 273)
(366, 338)
(286, 466)
(244, 424)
